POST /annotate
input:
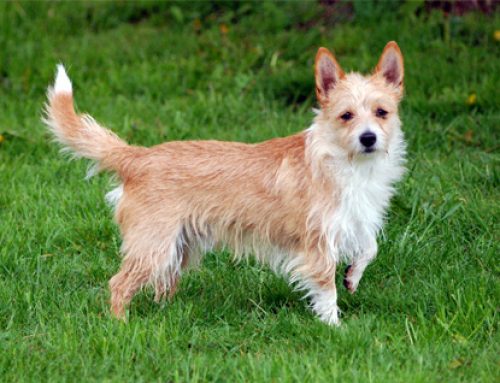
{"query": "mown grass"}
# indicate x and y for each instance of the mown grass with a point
(426, 310)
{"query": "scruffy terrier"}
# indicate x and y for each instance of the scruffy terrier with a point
(300, 204)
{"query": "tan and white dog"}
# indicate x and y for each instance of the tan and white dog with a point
(300, 204)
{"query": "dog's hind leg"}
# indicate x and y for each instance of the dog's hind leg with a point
(165, 284)
(124, 285)
(151, 257)
(191, 247)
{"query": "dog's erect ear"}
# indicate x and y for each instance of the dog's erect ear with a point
(327, 72)
(390, 65)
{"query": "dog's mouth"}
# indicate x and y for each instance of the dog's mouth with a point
(368, 150)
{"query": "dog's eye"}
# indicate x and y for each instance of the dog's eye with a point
(381, 113)
(347, 116)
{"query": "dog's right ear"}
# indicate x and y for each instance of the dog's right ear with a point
(327, 73)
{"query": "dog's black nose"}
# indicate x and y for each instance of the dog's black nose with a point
(368, 139)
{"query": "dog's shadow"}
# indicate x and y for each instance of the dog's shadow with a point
(232, 293)
(227, 292)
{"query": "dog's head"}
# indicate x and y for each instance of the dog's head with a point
(360, 113)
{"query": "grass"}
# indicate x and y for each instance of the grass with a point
(426, 310)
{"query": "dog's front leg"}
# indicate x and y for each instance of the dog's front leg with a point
(323, 293)
(355, 271)
(324, 304)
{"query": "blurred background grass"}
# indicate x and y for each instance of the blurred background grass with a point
(427, 309)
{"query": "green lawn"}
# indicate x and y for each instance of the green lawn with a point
(426, 310)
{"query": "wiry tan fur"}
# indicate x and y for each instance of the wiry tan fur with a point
(274, 200)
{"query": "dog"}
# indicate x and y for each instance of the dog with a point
(300, 204)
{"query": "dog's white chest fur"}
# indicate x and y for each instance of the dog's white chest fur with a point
(364, 191)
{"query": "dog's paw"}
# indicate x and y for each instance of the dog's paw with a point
(349, 285)
(325, 307)
(348, 282)
(330, 317)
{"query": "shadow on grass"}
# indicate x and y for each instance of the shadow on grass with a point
(237, 293)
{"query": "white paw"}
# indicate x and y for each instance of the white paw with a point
(330, 318)
(325, 307)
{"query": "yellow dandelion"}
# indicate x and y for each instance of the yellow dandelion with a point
(2, 138)
(224, 29)
(472, 99)
(496, 35)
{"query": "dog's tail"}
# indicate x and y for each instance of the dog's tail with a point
(81, 134)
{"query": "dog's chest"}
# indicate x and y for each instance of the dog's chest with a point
(363, 195)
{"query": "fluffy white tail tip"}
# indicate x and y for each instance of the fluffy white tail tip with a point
(63, 83)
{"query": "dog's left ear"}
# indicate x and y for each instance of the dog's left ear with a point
(390, 65)
(327, 72)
